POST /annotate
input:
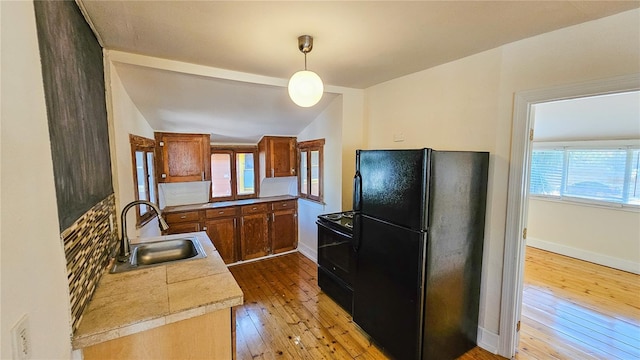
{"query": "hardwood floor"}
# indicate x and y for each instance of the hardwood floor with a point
(574, 309)
(287, 316)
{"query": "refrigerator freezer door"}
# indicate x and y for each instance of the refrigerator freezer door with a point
(393, 186)
(388, 287)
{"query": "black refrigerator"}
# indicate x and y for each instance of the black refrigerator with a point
(418, 235)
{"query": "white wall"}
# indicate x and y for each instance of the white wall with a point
(605, 236)
(124, 119)
(468, 105)
(353, 138)
(33, 266)
(328, 126)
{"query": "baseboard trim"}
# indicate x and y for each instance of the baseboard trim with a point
(605, 260)
(308, 251)
(488, 340)
(240, 262)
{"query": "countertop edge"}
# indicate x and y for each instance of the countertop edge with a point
(97, 338)
(221, 204)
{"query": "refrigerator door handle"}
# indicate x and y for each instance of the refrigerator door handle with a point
(357, 192)
(357, 230)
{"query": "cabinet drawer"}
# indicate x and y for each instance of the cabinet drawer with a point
(221, 212)
(179, 228)
(283, 205)
(183, 216)
(255, 208)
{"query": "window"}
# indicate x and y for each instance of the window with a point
(310, 180)
(233, 173)
(142, 150)
(591, 171)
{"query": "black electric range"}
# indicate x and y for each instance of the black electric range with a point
(336, 257)
(342, 221)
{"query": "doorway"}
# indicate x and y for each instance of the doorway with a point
(517, 206)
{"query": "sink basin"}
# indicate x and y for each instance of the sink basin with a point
(161, 253)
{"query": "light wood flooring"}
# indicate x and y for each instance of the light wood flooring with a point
(571, 310)
(574, 309)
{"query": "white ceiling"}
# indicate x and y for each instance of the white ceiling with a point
(603, 117)
(357, 44)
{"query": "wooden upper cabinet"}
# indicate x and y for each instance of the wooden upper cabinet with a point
(183, 157)
(277, 156)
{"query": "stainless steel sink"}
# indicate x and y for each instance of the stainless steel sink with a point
(161, 253)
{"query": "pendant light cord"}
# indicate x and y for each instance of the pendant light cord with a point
(305, 61)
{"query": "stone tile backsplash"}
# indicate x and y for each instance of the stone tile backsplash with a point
(88, 242)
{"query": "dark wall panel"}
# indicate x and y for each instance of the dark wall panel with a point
(73, 74)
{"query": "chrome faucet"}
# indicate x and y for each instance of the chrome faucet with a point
(124, 252)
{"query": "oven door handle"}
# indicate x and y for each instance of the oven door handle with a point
(357, 229)
(343, 234)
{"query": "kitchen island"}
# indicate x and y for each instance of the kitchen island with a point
(178, 310)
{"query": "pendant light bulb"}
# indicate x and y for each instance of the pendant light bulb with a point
(305, 87)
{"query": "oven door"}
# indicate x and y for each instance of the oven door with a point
(335, 252)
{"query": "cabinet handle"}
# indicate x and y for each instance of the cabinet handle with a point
(272, 173)
(203, 176)
(284, 205)
(254, 208)
(204, 228)
(293, 171)
(183, 217)
(220, 212)
(164, 176)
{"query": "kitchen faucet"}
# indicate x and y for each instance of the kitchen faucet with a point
(124, 252)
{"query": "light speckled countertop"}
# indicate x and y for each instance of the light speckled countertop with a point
(215, 205)
(139, 300)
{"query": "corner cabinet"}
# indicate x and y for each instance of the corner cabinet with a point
(182, 222)
(277, 156)
(182, 157)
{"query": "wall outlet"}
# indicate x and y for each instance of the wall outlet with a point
(21, 339)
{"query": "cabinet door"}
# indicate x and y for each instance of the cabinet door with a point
(254, 238)
(283, 156)
(284, 230)
(222, 233)
(184, 157)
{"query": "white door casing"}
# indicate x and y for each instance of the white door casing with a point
(518, 191)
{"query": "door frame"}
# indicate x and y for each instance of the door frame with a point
(518, 191)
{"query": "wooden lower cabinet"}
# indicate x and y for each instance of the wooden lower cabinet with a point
(207, 336)
(284, 230)
(183, 222)
(222, 233)
(254, 236)
(243, 232)
(179, 228)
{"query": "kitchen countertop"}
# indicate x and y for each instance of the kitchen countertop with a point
(139, 300)
(215, 205)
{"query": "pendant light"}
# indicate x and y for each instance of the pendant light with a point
(305, 87)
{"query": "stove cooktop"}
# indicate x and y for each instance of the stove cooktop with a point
(341, 219)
